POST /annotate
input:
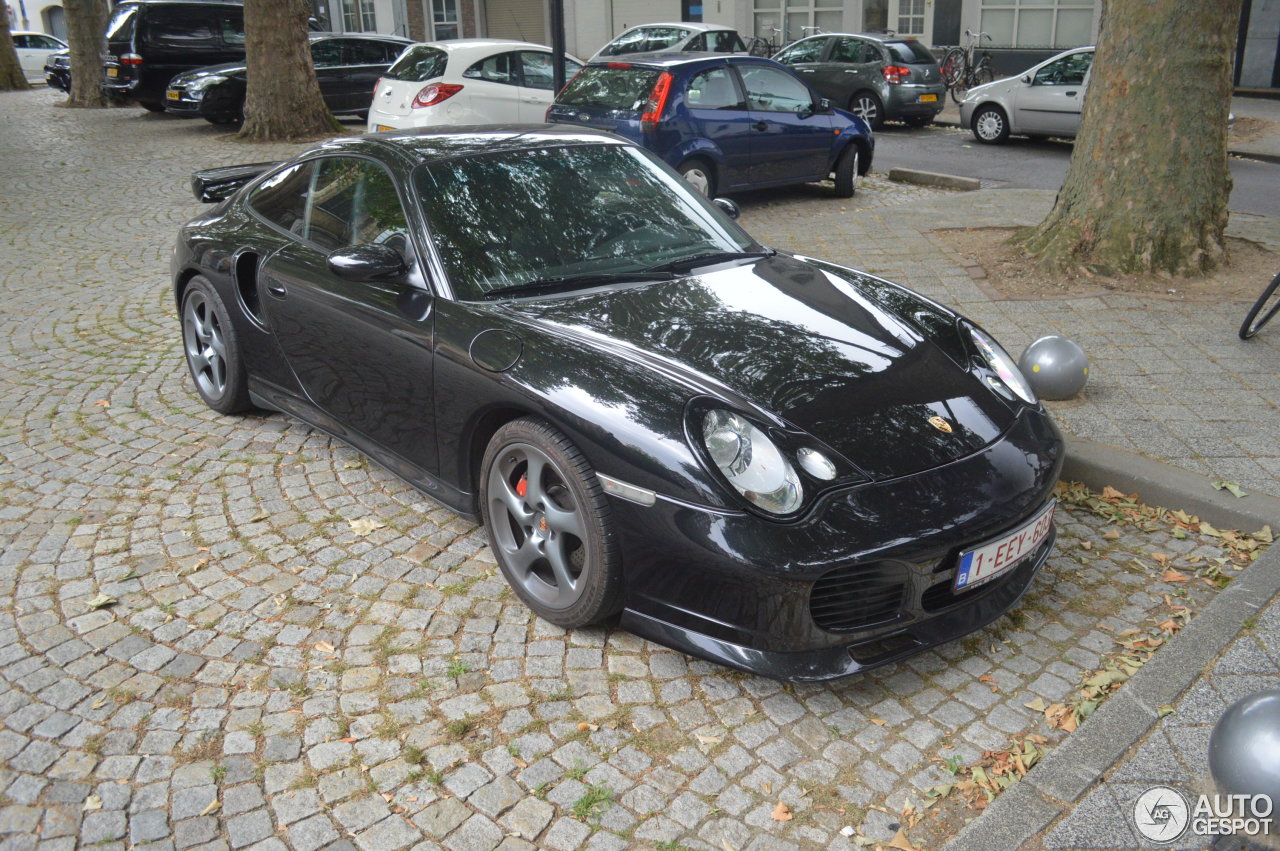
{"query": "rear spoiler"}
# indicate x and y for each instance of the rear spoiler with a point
(218, 184)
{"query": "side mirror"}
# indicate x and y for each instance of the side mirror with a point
(824, 106)
(728, 207)
(367, 263)
(1026, 78)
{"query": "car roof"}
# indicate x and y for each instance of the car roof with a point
(33, 32)
(882, 38)
(317, 36)
(676, 60)
(429, 144)
(696, 26)
(464, 45)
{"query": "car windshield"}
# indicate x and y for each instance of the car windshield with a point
(418, 64)
(910, 52)
(575, 214)
(616, 86)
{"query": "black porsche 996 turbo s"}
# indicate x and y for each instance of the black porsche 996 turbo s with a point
(770, 461)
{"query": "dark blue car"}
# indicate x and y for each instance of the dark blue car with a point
(727, 123)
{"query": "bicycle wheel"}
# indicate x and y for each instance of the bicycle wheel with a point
(984, 74)
(1267, 306)
(952, 66)
(962, 86)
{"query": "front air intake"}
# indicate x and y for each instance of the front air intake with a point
(858, 596)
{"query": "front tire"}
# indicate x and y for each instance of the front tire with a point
(847, 172)
(990, 125)
(868, 107)
(549, 525)
(213, 349)
(700, 176)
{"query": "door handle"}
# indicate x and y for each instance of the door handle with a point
(275, 288)
(805, 70)
(848, 71)
(760, 125)
(1071, 94)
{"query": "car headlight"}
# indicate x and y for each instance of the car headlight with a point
(199, 84)
(751, 462)
(1002, 365)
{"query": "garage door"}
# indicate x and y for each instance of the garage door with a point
(519, 19)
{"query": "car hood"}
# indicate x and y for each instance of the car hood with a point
(230, 69)
(800, 343)
(996, 89)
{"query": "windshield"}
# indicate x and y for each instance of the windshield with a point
(419, 64)
(910, 52)
(510, 218)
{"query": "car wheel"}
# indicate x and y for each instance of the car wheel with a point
(700, 176)
(990, 125)
(549, 525)
(219, 120)
(151, 106)
(847, 172)
(213, 350)
(867, 106)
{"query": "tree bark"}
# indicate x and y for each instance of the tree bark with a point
(86, 33)
(1148, 183)
(282, 97)
(11, 76)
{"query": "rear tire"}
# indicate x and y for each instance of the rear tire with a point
(846, 178)
(990, 125)
(700, 176)
(868, 107)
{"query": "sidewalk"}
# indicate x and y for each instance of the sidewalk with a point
(1265, 147)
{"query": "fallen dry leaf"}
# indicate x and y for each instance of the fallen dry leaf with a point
(900, 841)
(708, 740)
(1109, 492)
(766, 788)
(1111, 535)
(783, 813)
(1172, 575)
(212, 807)
(724, 843)
(584, 726)
(324, 647)
(364, 525)
(102, 403)
(879, 722)
(93, 802)
(99, 602)
(1037, 705)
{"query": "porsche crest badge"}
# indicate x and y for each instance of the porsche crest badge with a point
(940, 424)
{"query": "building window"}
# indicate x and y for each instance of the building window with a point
(910, 17)
(359, 16)
(784, 21)
(444, 19)
(1038, 23)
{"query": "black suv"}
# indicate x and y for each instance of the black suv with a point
(149, 41)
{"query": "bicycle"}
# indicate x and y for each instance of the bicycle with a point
(1267, 306)
(959, 71)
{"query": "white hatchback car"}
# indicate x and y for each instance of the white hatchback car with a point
(33, 49)
(674, 38)
(1044, 101)
(466, 81)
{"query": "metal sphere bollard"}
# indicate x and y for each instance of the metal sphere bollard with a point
(1244, 748)
(1056, 367)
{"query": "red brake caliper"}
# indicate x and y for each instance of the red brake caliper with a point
(522, 486)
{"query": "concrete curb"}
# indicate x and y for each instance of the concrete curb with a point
(1070, 770)
(929, 178)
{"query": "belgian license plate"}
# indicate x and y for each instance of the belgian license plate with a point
(995, 557)
(378, 128)
(172, 95)
(928, 98)
(113, 72)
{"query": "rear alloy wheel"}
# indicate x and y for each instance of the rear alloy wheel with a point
(990, 125)
(699, 175)
(867, 106)
(549, 525)
(847, 172)
(212, 349)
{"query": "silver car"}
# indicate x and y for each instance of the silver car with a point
(674, 38)
(1044, 101)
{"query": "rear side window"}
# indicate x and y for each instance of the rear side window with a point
(354, 203)
(495, 69)
(230, 25)
(725, 41)
(809, 50)
(326, 54)
(713, 89)
(854, 50)
(361, 52)
(282, 198)
(120, 27)
(910, 52)
(419, 64)
(610, 88)
(180, 26)
(535, 68)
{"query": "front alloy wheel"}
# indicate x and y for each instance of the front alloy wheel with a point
(213, 353)
(548, 525)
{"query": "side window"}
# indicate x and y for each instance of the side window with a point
(361, 52)
(282, 198)
(231, 25)
(327, 53)
(495, 69)
(771, 90)
(354, 202)
(46, 43)
(1067, 71)
(180, 26)
(660, 38)
(697, 43)
(847, 50)
(809, 50)
(22, 41)
(723, 41)
(713, 89)
(632, 42)
(536, 69)
(391, 52)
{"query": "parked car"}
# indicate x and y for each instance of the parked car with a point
(684, 37)
(1044, 101)
(33, 50)
(151, 41)
(347, 65)
(876, 77)
(777, 463)
(57, 70)
(727, 123)
(466, 81)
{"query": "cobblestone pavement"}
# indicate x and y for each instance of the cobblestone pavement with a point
(270, 677)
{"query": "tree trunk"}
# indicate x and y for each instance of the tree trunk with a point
(1148, 183)
(11, 76)
(282, 97)
(86, 33)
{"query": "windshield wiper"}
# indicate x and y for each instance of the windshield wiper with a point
(684, 264)
(573, 282)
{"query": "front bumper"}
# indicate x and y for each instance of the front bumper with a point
(737, 589)
(966, 114)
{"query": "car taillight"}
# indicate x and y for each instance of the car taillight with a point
(435, 93)
(657, 102)
(895, 74)
(131, 59)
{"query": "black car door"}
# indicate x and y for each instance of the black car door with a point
(360, 350)
(331, 72)
(366, 60)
